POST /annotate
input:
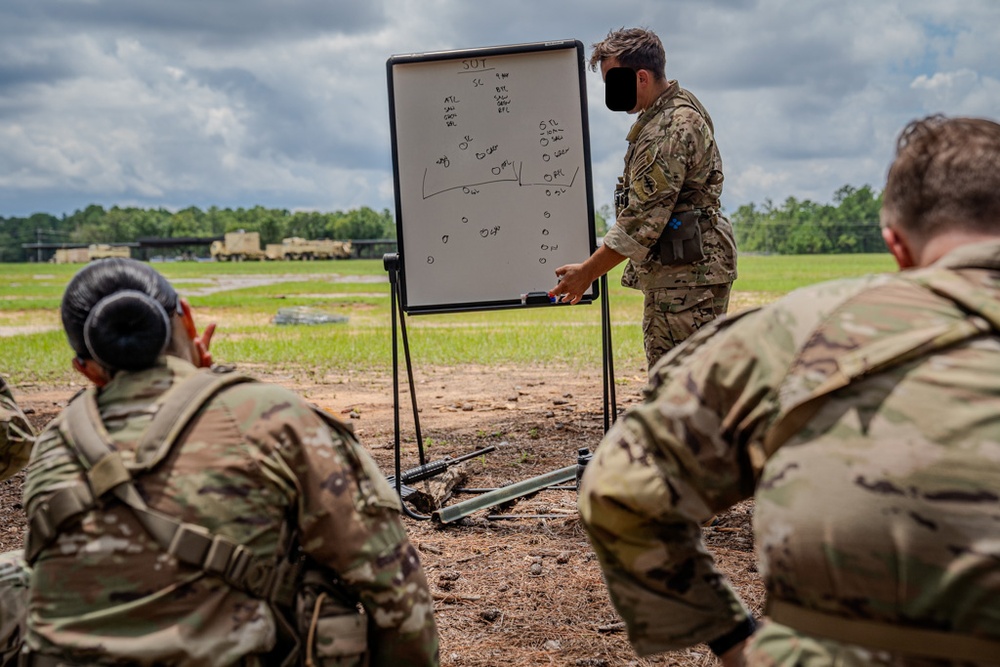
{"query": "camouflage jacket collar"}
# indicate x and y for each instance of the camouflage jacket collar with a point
(972, 256)
(149, 382)
(655, 108)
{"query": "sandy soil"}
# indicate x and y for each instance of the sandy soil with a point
(511, 591)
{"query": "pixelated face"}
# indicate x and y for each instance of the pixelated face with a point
(620, 89)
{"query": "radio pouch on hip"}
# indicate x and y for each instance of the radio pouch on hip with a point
(680, 242)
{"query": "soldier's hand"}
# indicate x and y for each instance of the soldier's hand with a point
(573, 282)
(202, 343)
(734, 656)
(203, 358)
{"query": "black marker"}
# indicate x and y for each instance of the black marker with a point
(533, 298)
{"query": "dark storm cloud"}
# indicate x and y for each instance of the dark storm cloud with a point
(16, 72)
(216, 23)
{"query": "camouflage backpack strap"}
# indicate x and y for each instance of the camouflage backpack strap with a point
(191, 544)
(983, 316)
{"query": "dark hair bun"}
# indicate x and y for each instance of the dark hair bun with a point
(127, 330)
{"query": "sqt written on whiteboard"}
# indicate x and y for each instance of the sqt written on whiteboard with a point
(491, 160)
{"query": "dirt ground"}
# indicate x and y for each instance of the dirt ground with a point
(509, 591)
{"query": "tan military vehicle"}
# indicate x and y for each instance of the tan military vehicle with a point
(102, 250)
(71, 256)
(296, 247)
(237, 247)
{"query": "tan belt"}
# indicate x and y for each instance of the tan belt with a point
(909, 641)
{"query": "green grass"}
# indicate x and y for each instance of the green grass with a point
(35, 349)
(780, 274)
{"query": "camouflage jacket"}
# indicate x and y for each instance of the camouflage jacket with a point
(862, 415)
(16, 434)
(672, 165)
(254, 455)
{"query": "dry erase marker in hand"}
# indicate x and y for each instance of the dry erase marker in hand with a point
(533, 298)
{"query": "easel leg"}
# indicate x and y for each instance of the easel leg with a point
(610, 402)
(391, 263)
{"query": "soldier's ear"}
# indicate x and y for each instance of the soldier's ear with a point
(899, 247)
(92, 370)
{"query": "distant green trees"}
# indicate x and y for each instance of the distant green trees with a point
(850, 225)
(95, 224)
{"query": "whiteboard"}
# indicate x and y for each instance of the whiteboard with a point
(491, 160)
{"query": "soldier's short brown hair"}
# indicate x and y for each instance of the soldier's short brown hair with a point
(636, 48)
(946, 175)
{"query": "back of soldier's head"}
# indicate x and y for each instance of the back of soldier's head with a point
(946, 177)
(118, 312)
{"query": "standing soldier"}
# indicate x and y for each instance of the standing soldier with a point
(196, 517)
(862, 415)
(669, 226)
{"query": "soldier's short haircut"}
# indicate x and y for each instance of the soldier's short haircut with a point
(118, 312)
(946, 176)
(636, 48)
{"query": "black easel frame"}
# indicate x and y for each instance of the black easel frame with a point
(391, 263)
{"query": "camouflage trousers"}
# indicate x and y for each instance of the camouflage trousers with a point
(13, 605)
(671, 314)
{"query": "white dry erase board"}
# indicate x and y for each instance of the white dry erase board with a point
(491, 159)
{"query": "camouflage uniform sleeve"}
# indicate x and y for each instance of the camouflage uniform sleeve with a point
(661, 158)
(16, 434)
(349, 521)
(667, 466)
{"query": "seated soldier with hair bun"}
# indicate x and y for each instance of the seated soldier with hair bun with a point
(187, 515)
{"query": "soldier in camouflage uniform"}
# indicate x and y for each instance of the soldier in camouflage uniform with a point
(16, 434)
(256, 481)
(681, 250)
(16, 438)
(862, 415)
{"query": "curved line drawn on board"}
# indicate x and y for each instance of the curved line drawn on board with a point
(515, 178)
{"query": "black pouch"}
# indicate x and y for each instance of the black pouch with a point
(680, 242)
(621, 196)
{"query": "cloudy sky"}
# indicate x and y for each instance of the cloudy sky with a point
(284, 103)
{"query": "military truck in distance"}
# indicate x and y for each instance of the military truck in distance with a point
(237, 247)
(90, 253)
(102, 250)
(299, 248)
(71, 256)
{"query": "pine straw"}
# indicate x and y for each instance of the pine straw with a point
(530, 592)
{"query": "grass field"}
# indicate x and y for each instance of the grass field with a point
(243, 299)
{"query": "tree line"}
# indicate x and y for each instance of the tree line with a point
(849, 225)
(95, 224)
(796, 227)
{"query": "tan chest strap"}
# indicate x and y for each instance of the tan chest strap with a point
(191, 544)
